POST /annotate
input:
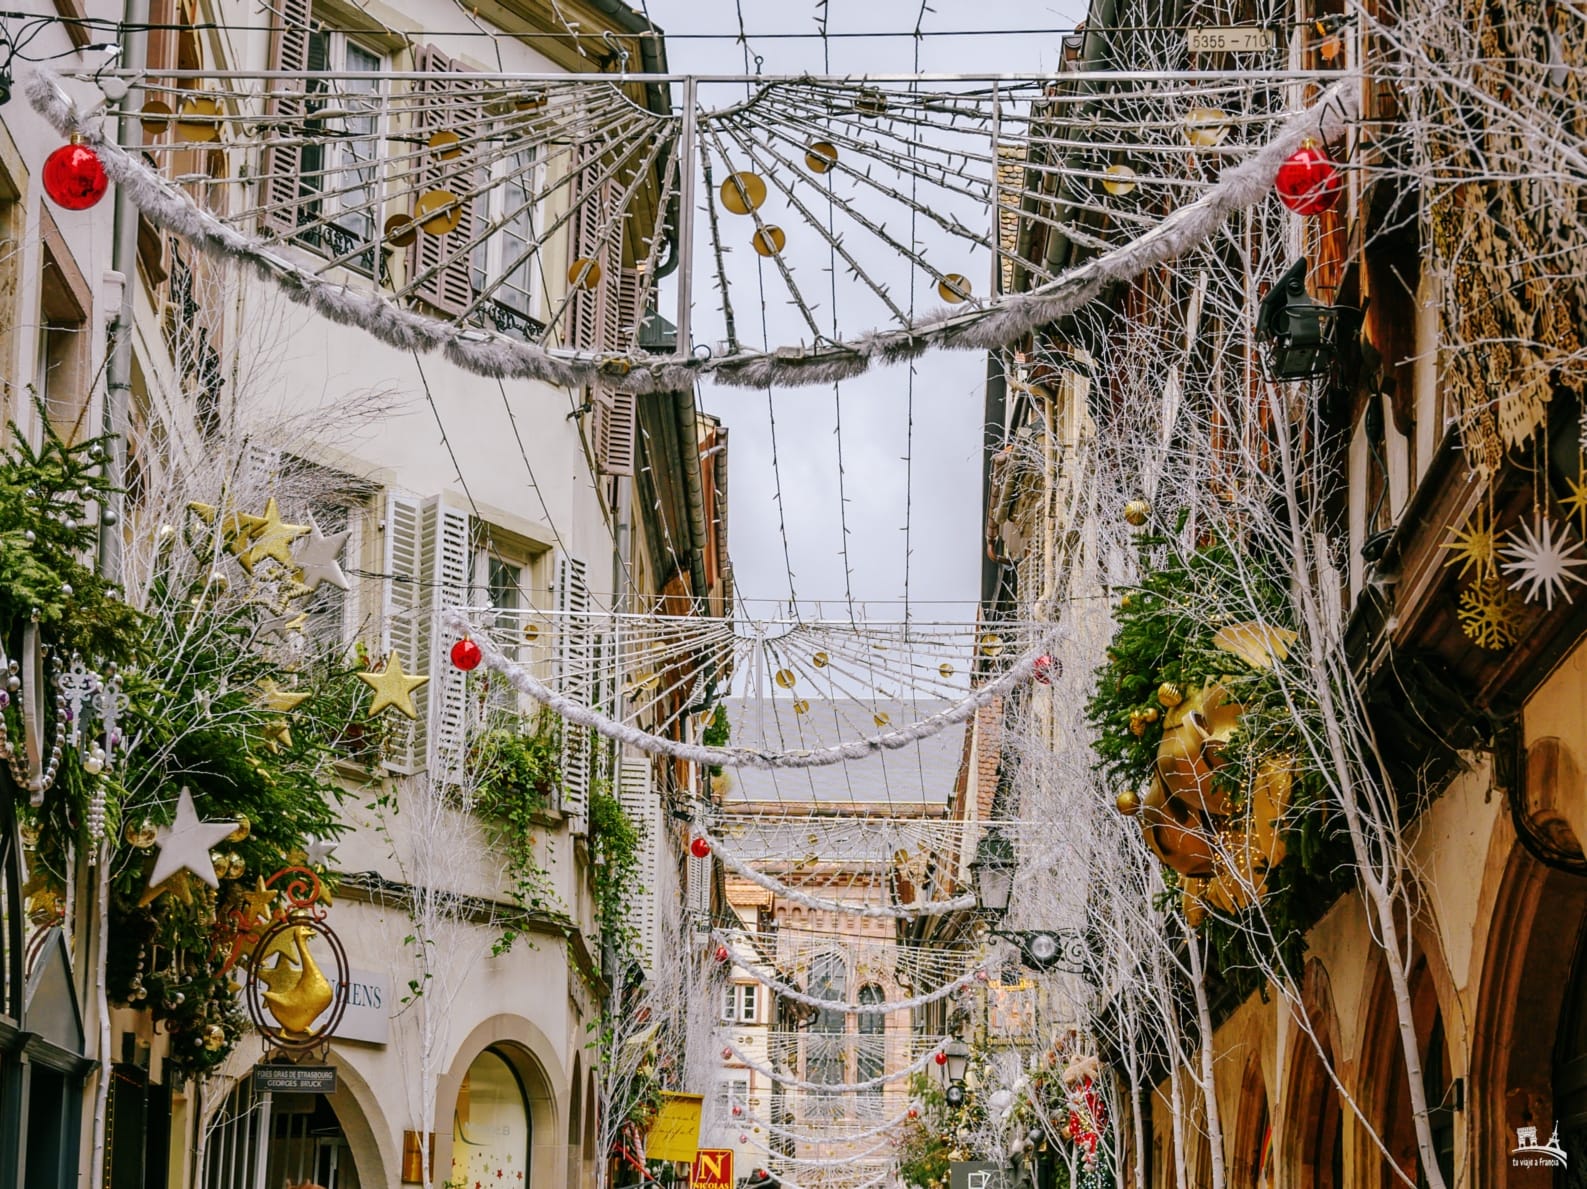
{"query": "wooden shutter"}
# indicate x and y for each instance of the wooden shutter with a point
(699, 891)
(592, 313)
(616, 428)
(402, 615)
(448, 547)
(449, 287)
(643, 808)
(283, 163)
(574, 679)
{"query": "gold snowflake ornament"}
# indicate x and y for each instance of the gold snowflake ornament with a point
(1576, 502)
(1490, 614)
(1539, 563)
(1474, 545)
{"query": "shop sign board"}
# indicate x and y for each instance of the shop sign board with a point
(294, 1079)
(713, 1169)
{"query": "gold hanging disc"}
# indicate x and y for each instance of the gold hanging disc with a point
(953, 288)
(584, 273)
(743, 192)
(437, 212)
(991, 644)
(198, 121)
(880, 718)
(155, 117)
(785, 678)
(819, 660)
(531, 631)
(531, 101)
(399, 230)
(871, 102)
(820, 156)
(1206, 126)
(801, 706)
(446, 144)
(769, 240)
(945, 669)
(1120, 180)
(499, 104)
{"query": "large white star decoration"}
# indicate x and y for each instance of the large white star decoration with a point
(317, 558)
(319, 850)
(185, 844)
(1538, 563)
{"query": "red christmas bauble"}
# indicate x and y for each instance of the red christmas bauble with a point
(727, 1053)
(1308, 182)
(941, 1058)
(1045, 669)
(743, 1139)
(721, 953)
(700, 848)
(737, 1110)
(74, 177)
(913, 1113)
(466, 654)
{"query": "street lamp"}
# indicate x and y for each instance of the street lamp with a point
(992, 871)
(953, 1070)
(1298, 328)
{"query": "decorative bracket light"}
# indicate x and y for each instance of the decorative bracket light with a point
(1298, 329)
(954, 1067)
(992, 872)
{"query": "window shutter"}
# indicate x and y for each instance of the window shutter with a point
(440, 272)
(643, 808)
(448, 548)
(616, 427)
(592, 313)
(283, 162)
(576, 680)
(403, 615)
(699, 891)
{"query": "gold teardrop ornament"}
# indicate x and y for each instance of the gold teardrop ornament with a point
(769, 240)
(198, 120)
(399, 230)
(743, 192)
(584, 273)
(953, 288)
(820, 156)
(437, 212)
(446, 144)
(1120, 180)
(785, 678)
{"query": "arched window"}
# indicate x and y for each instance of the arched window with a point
(870, 1054)
(490, 1125)
(824, 1047)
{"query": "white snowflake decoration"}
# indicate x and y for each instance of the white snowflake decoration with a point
(1539, 563)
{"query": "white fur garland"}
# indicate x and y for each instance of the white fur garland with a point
(488, 353)
(800, 1137)
(581, 715)
(914, 1067)
(887, 1007)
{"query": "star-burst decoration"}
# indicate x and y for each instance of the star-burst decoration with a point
(1576, 502)
(1474, 545)
(1540, 563)
(393, 688)
(1490, 614)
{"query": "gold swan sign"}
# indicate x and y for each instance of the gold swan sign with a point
(1222, 847)
(294, 1005)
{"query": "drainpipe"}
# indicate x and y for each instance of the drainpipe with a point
(689, 451)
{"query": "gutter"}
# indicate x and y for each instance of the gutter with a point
(689, 451)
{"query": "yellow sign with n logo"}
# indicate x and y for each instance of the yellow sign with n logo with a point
(713, 1169)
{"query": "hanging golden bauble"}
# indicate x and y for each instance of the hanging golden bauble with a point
(991, 644)
(1169, 694)
(880, 718)
(769, 240)
(1151, 714)
(155, 117)
(531, 101)
(1128, 802)
(743, 192)
(399, 230)
(785, 678)
(214, 1037)
(820, 156)
(198, 120)
(801, 706)
(1137, 723)
(1206, 127)
(1136, 512)
(819, 660)
(437, 212)
(954, 288)
(945, 670)
(1120, 180)
(445, 144)
(141, 835)
(584, 273)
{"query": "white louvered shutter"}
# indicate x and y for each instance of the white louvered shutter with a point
(699, 891)
(448, 552)
(403, 613)
(575, 680)
(616, 427)
(590, 239)
(643, 807)
(440, 271)
(282, 162)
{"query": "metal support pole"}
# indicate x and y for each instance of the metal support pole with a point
(686, 168)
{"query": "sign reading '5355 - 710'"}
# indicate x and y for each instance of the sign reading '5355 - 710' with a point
(1230, 39)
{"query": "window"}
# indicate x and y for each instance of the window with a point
(504, 264)
(63, 379)
(490, 1125)
(731, 1092)
(741, 1003)
(338, 181)
(870, 1058)
(824, 1047)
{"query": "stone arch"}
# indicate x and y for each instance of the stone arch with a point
(533, 1058)
(1251, 1160)
(575, 1120)
(1526, 976)
(1312, 1151)
(357, 1108)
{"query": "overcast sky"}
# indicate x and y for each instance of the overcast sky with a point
(943, 493)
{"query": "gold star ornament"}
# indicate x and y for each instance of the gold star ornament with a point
(280, 700)
(272, 539)
(393, 688)
(1474, 546)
